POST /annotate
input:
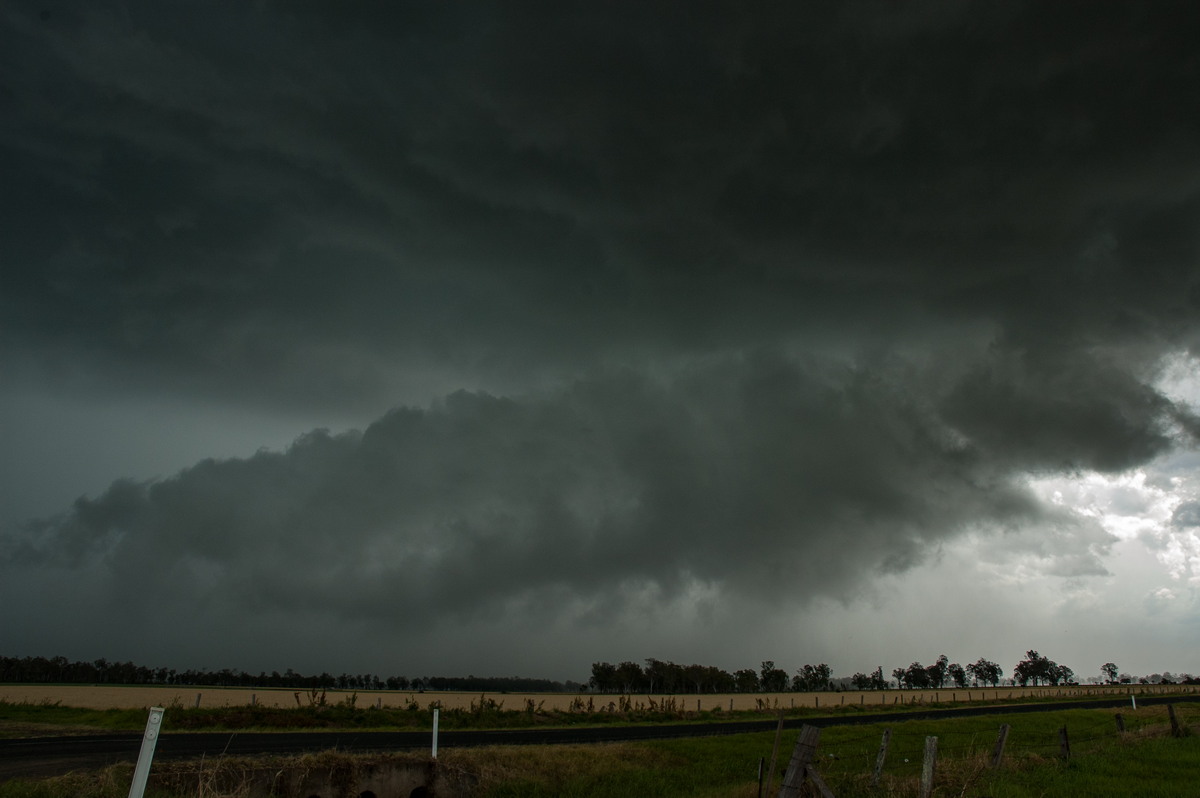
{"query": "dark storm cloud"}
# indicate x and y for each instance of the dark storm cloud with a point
(293, 205)
(771, 300)
(761, 476)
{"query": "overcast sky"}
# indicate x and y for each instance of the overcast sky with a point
(502, 338)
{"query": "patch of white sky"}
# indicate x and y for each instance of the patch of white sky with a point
(1114, 553)
(1137, 506)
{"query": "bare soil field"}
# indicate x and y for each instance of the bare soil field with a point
(122, 697)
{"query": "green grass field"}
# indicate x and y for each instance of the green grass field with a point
(1143, 761)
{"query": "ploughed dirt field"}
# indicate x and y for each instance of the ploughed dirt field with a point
(110, 697)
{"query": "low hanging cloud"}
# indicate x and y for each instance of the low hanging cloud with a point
(761, 477)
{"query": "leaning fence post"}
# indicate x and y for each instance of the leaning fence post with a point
(882, 756)
(812, 775)
(802, 755)
(142, 771)
(1175, 730)
(1064, 744)
(927, 769)
(998, 751)
(1120, 723)
(774, 755)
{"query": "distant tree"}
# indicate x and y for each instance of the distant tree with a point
(630, 677)
(937, 672)
(811, 678)
(772, 679)
(1110, 671)
(675, 676)
(860, 680)
(984, 671)
(877, 680)
(1059, 674)
(746, 680)
(916, 677)
(696, 676)
(1037, 669)
(604, 677)
(958, 674)
(659, 676)
(898, 675)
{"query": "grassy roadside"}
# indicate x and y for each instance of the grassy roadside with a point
(1143, 761)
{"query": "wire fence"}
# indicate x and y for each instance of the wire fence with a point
(843, 755)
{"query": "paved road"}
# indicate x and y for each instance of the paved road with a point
(47, 756)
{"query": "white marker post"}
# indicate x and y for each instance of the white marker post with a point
(435, 732)
(142, 772)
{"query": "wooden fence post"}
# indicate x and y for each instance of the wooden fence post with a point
(882, 757)
(1175, 730)
(812, 775)
(1001, 741)
(1064, 744)
(929, 766)
(761, 761)
(774, 753)
(1120, 723)
(802, 755)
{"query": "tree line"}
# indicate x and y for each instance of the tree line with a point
(655, 676)
(658, 676)
(662, 676)
(60, 670)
